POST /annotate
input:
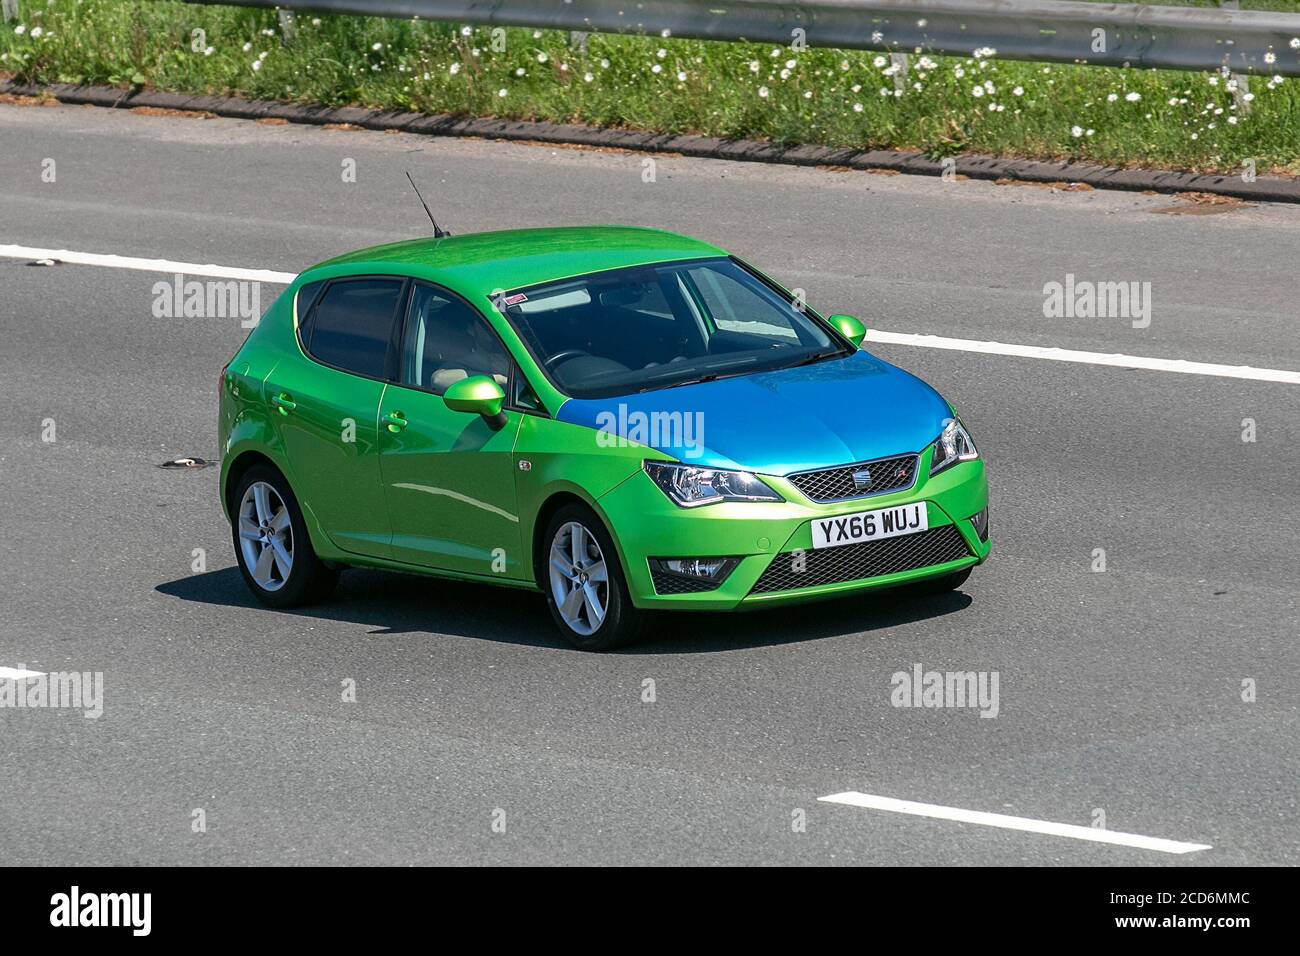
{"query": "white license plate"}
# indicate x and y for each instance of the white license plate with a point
(870, 525)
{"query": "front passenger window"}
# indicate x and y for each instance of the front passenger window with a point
(446, 341)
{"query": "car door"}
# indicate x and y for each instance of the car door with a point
(449, 476)
(328, 408)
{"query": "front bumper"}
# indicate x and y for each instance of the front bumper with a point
(774, 541)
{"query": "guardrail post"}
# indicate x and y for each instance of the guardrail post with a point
(10, 9)
(1242, 80)
(288, 26)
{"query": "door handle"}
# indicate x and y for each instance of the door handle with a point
(396, 421)
(284, 403)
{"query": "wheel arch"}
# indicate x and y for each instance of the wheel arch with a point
(240, 467)
(553, 503)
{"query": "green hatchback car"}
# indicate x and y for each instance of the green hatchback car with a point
(622, 418)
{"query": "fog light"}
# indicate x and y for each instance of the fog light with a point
(981, 524)
(714, 570)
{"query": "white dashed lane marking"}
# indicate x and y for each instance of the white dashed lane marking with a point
(17, 673)
(870, 802)
(1114, 360)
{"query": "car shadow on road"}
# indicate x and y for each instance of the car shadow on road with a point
(396, 604)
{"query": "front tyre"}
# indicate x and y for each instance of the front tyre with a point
(274, 552)
(584, 583)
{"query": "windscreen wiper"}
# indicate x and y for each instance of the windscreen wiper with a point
(815, 357)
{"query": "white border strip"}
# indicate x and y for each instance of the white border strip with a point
(1114, 360)
(854, 799)
(1087, 358)
(147, 265)
(17, 673)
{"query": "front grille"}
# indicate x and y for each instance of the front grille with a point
(856, 562)
(874, 478)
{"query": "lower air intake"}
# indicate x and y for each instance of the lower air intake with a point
(858, 562)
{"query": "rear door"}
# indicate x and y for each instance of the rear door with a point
(449, 476)
(327, 408)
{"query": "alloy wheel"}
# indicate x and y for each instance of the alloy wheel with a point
(579, 579)
(266, 536)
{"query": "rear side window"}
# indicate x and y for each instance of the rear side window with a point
(352, 326)
(306, 298)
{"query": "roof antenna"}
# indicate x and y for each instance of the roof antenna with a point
(438, 231)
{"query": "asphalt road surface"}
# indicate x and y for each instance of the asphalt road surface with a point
(1120, 691)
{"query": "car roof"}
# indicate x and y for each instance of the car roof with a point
(485, 262)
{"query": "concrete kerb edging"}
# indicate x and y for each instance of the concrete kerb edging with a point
(974, 166)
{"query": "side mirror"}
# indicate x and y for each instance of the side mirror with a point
(849, 327)
(478, 395)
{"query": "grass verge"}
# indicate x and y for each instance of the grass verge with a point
(943, 105)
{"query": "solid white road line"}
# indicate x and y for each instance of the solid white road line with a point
(1087, 358)
(17, 673)
(1115, 360)
(854, 799)
(147, 265)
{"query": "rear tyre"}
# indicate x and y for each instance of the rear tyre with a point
(272, 547)
(584, 584)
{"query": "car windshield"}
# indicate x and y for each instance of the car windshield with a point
(650, 327)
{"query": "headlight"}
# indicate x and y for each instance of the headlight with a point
(954, 444)
(691, 487)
